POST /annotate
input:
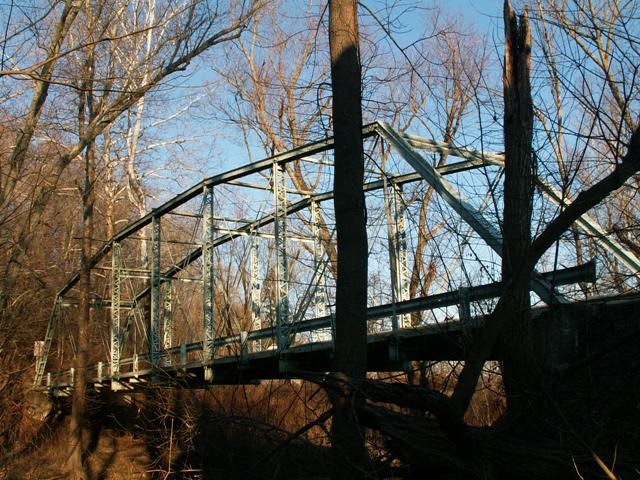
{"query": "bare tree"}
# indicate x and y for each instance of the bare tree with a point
(86, 112)
(274, 80)
(85, 55)
(622, 165)
(590, 58)
(454, 72)
(626, 163)
(188, 30)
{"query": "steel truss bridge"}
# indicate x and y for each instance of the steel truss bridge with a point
(233, 280)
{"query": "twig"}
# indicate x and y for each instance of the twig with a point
(575, 465)
(580, 440)
(168, 473)
(318, 421)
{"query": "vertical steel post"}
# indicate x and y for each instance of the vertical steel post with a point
(244, 348)
(208, 283)
(183, 358)
(114, 368)
(320, 296)
(402, 262)
(154, 330)
(136, 365)
(282, 263)
(389, 205)
(167, 323)
(464, 309)
(254, 270)
(41, 362)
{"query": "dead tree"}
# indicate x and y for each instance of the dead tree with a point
(518, 202)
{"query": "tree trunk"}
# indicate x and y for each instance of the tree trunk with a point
(351, 286)
(79, 402)
(76, 466)
(519, 360)
(19, 154)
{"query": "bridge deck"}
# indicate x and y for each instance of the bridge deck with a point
(387, 351)
(235, 364)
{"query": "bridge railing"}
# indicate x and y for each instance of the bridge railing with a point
(244, 262)
(182, 357)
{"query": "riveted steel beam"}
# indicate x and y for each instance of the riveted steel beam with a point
(401, 280)
(154, 328)
(41, 360)
(208, 282)
(167, 322)
(283, 326)
(469, 214)
(319, 277)
(256, 290)
(115, 310)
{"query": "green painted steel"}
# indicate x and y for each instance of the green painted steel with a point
(265, 332)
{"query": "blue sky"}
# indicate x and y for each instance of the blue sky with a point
(214, 145)
(483, 12)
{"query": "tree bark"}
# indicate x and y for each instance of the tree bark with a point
(79, 401)
(517, 348)
(350, 354)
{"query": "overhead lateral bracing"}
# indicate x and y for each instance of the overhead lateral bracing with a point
(489, 233)
(227, 177)
(588, 224)
(153, 298)
(591, 227)
(297, 207)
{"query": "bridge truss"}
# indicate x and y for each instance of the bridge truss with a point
(234, 279)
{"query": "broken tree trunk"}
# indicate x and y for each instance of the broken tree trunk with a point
(519, 363)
